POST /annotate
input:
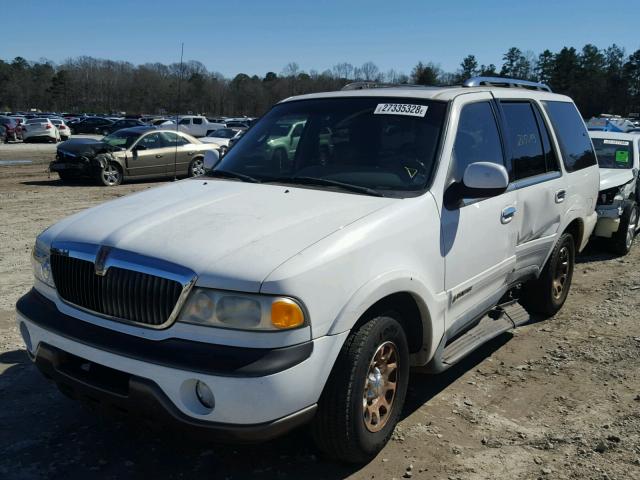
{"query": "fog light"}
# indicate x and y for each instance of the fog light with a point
(205, 395)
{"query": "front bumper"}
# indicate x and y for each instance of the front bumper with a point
(75, 168)
(608, 220)
(258, 395)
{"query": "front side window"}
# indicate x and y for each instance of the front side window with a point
(121, 139)
(151, 141)
(614, 153)
(573, 138)
(385, 144)
(477, 138)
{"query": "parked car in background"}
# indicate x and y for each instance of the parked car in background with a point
(12, 127)
(41, 129)
(90, 125)
(138, 152)
(267, 295)
(63, 128)
(120, 124)
(618, 211)
(197, 125)
(3, 134)
(222, 137)
(161, 121)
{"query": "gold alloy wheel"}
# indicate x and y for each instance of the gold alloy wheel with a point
(561, 272)
(380, 387)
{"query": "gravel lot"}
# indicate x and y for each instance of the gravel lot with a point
(558, 399)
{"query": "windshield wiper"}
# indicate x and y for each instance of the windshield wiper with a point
(329, 183)
(229, 174)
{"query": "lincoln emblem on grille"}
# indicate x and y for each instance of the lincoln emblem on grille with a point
(101, 259)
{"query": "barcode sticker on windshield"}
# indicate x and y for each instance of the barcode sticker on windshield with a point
(401, 109)
(617, 142)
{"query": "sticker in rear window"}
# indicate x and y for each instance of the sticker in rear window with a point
(616, 142)
(622, 156)
(401, 109)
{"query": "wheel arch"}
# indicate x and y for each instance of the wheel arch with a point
(422, 314)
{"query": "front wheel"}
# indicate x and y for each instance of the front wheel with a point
(622, 240)
(196, 167)
(363, 398)
(110, 175)
(546, 295)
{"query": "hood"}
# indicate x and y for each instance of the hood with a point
(84, 146)
(614, 177)
(232, 234)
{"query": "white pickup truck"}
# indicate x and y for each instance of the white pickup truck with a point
(410, 226)
(197, 125)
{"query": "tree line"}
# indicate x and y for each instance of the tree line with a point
(599, 80)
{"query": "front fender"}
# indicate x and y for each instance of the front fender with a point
(432, 307)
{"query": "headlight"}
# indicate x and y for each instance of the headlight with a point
(241, 311)
(41, 263)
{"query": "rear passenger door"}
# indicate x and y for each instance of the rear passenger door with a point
(537, 178)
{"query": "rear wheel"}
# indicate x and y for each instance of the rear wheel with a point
(547, 294)
(110, 175)
(363, 398)
(622, 240)
(196, 167)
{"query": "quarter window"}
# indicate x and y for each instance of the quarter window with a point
(477, 139)
(575, 145)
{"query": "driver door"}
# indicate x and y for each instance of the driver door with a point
(148, 156)
(478, 234)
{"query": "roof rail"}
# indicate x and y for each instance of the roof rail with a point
(365, 85)
(506, 82)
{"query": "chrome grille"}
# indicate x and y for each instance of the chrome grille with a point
(121, 294)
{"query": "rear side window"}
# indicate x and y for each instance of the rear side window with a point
(197, 121)
(523, 135)
(575, 145)
(477, 139)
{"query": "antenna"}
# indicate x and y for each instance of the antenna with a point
(175, 154)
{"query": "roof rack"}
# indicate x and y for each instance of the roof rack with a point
(365, 85)
(506, 82)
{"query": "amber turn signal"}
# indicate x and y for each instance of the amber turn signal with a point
(286, 313)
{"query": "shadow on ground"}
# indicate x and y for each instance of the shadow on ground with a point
(46, 435)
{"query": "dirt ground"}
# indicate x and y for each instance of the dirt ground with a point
(556, 399)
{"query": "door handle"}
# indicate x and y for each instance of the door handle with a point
(560, 196)
(508, 214)
(158, 156)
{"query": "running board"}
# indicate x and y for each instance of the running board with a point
(499, 320)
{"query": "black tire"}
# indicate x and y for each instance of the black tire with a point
(546, 295)
(340, 428)
(622, 241)
(66, 177)
(110, 175)
(196, 167)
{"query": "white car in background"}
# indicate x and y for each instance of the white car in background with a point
(63, 128)
(40, 129)
(221, 137)
(197, 125)
(618, 212)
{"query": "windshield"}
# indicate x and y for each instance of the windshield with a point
(385, 144)
(613, 153)
(121, 139)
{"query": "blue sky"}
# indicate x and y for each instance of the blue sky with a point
(254, 37)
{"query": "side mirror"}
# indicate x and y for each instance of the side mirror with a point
(140, 147)
(211, 158)
(486, 177)
(480, 180)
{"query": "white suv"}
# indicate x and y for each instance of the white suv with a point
(270, 294)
